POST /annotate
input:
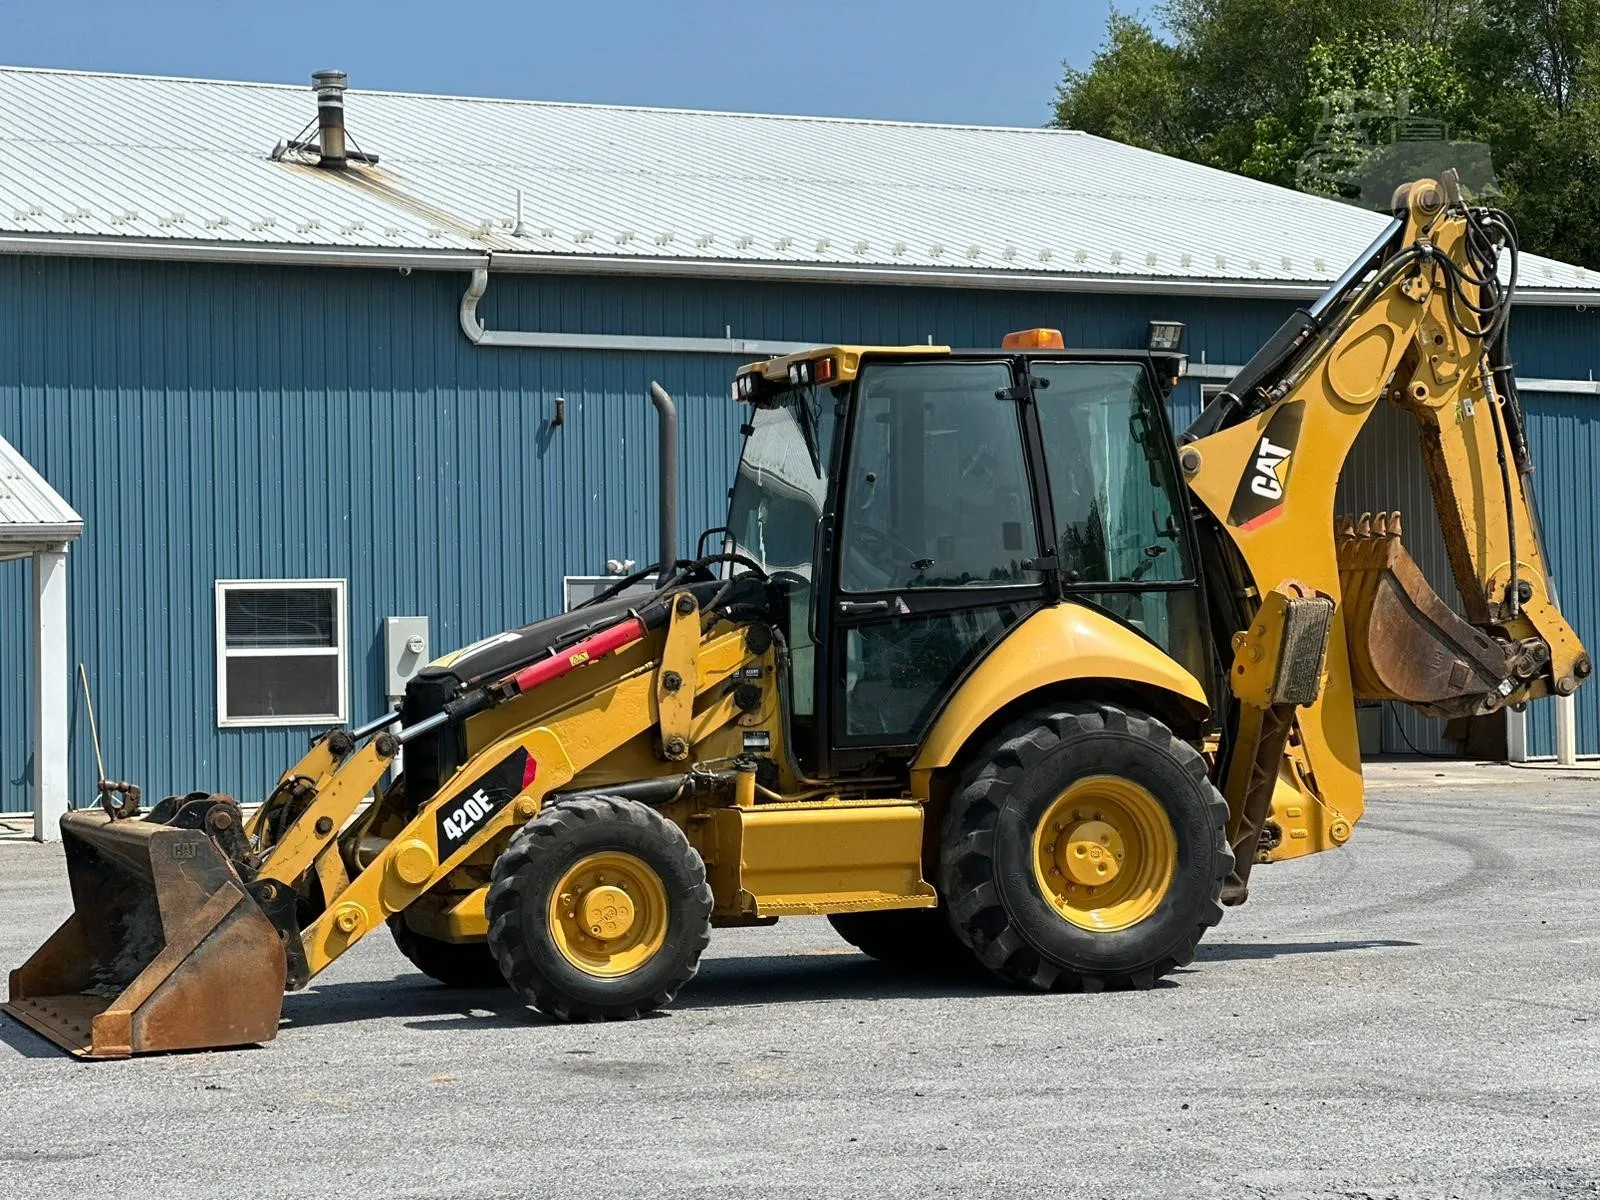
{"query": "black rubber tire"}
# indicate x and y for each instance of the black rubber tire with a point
(915, 939)
(454, 964)
(994, 899)
(519, 897)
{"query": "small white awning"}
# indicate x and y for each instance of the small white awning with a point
(33, 516)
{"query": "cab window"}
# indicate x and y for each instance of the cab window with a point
(937, 492)
(1111, 479)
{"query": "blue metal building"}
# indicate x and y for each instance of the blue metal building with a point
(222, 403)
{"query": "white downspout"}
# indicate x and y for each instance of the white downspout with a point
(51, 689)
(472, 326)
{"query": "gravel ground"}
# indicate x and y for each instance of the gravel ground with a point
(1413, 1016)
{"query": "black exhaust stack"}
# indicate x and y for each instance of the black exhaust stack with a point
(667, 427)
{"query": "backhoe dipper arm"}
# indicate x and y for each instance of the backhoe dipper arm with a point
(1420, 321)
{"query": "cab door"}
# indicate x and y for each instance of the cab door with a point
(935, 548)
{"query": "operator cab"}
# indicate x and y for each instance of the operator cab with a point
(914, 504)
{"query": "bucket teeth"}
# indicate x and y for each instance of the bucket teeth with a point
(1368, 526)
(1405, 643)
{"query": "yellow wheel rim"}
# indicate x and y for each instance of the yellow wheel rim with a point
(608, 914)
(1104, 853)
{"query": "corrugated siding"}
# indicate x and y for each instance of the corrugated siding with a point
(1564, 432)
(220, 424)
(228, 422)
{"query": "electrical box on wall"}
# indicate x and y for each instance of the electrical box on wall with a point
(405, 651)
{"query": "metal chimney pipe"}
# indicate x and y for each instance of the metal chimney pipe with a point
(667, 430)
(330, 87)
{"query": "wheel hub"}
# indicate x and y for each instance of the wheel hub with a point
(607, 912)
(1090, 853)
(1104, 853)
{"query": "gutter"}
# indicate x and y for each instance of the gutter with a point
(270, 254)
(266, 254)
(1022, 281)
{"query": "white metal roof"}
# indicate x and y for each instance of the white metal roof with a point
(185, 163)
(32, 513)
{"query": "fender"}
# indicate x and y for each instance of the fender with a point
(1056, 645)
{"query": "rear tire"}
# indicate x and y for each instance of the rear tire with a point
(454, 964)
(598, 910)
(1055, 797)
(914, 939)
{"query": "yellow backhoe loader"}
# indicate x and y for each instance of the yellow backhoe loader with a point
(986, 665)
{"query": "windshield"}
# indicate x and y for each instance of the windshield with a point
(778, 497)
(782, 482)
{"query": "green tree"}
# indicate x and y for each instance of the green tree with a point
(1328, 95)
(1133, 91)
(1534, 67)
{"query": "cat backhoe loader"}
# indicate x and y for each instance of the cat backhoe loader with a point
(988, 666)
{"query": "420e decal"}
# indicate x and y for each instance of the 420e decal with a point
(481, 799)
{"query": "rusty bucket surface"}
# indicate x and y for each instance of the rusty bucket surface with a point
(1406, 643)
(165, 949)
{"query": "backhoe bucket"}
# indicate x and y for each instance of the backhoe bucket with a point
(165, 949)
(1406, 643)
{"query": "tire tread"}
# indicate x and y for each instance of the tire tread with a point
(977, 910)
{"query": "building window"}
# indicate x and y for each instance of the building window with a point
(281, 651)
(1209, 392)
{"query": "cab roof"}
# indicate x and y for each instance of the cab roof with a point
(841, 364)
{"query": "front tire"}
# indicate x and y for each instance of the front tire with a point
(598, 910)
(1085, 847)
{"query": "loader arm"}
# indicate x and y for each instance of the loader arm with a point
(1419, 321)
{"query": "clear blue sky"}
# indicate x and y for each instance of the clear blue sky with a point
(937, 60)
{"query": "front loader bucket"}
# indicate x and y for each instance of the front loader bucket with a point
(165, 949)
(1406, 643)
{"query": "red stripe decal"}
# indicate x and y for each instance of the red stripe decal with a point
(1271, 514)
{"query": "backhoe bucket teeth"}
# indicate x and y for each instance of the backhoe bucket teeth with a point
(1406, 643)
(165, 949)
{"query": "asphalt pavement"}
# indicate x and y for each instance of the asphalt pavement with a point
(1413, 1016)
